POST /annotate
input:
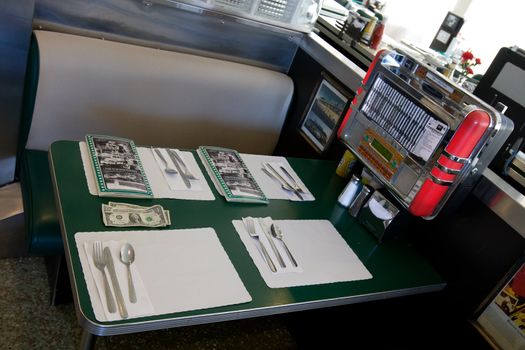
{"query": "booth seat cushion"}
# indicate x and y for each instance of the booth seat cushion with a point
(42, 227)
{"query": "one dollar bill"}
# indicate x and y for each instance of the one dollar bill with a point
(129, 215)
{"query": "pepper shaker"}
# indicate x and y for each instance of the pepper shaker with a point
(359, 201)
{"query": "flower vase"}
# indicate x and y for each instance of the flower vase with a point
(460, 79)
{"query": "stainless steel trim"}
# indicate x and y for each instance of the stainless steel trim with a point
(519, 161)
(333, 61)
(115, 329)
(173, 26)
(455, 158)
(517, 176)
(447, 169)
(439, 181)
(502, 199)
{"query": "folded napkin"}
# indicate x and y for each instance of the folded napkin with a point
(163, 185)
(322, 254)
(142, 307)
(269, 185)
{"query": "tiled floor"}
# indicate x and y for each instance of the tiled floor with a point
(27, 321)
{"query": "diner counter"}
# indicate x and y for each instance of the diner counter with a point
(361, 54)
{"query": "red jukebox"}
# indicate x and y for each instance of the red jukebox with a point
(420, 134)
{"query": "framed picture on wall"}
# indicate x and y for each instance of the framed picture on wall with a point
(446, 32)
(501, 318)
(324, 114)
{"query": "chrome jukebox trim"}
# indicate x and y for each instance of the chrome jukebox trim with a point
(455, 158)
(447, 169)
(440, 182)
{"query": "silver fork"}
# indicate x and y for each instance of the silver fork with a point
(250, 227)
(100, 263)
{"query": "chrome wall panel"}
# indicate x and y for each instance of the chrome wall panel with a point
(172, 26)
(333, 61)
(502, 199)
(15, 32)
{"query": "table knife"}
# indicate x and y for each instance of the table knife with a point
(292, 178)
(272, 244)
(284, 181)
(175, 158)
(116, 286)
(188, 174)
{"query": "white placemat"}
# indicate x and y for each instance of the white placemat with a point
(271, 187)
(321, 253)
(159, 185)
(181, 270)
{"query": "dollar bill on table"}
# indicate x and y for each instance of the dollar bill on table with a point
(130, 215)
(127, 205)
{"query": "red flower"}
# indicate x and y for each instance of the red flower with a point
(467, 55)
(469, 70)
(478, 61)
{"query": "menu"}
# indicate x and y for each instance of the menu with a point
(117, 167)
(230, 175)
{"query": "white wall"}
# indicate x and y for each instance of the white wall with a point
(416, 21)
(488, 26)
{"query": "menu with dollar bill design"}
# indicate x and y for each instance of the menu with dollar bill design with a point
(230, 175)
(117, 167)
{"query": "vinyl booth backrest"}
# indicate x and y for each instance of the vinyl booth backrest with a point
(154, 97)
(77, 85)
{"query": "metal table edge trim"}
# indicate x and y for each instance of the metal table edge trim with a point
(141, 326)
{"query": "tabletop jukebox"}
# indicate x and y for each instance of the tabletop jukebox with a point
(423, 136)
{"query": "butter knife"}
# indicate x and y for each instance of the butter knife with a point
(175, 158)
(272, 244)
(114, 281)
(187, 172)
(297, 187)
(294, 189)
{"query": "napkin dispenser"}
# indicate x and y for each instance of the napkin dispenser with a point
(381, 217)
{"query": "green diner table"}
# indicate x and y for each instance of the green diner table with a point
(397, 267)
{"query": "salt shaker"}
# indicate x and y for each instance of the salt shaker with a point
(350, 191)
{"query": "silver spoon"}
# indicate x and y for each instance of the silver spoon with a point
(277, 233)
(127, 256)
(167, 168)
